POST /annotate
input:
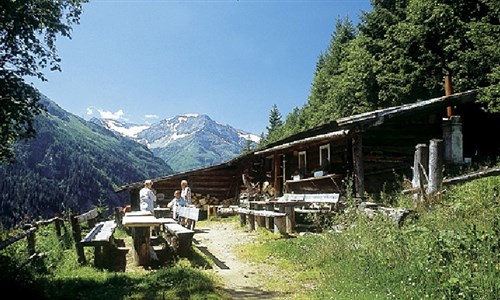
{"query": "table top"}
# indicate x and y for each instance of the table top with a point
(132, 219)
(162, 209)
(283, 202)
(138, 213)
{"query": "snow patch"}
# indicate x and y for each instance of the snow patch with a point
(250, 137)
(130, 132)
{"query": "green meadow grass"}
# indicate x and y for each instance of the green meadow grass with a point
(448, 250)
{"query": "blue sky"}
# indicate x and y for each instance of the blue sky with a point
(143, 61)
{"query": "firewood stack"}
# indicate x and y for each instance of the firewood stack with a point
(200, 200)
(253, 192)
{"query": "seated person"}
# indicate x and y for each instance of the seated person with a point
(176, 202)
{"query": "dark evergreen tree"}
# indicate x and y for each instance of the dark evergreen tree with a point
(275, 127)
(319, 108)
(402, 52)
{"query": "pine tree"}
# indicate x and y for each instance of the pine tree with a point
(275, 121)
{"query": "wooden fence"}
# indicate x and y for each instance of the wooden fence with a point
(28, 233)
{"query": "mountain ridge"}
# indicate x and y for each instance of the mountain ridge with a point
(71, 165)
(187, 141)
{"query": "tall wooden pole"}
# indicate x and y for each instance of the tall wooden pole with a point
(448, 90)
(276, 175)
(357, 156)
(420, 167)
(435, 166)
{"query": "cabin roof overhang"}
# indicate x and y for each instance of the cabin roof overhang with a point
(343, 127)
(320, 137)
(227, 165)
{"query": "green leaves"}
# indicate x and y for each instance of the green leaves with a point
(28, 32)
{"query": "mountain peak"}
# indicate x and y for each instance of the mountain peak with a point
(187, 141)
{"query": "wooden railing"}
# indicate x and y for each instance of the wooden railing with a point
(29, 233)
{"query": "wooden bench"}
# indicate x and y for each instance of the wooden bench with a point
(274, 221)
(180, 234)
(179, 238)
(106, 249)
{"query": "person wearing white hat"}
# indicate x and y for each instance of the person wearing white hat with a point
(147, 197)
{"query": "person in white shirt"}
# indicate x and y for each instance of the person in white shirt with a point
(147, 197)
(186, 192)
(175, 203)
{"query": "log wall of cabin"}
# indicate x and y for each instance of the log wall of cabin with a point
(388, 149)
(222, 183)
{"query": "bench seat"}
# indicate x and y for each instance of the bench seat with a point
(179, 238)
(101, 234)
(107, 254)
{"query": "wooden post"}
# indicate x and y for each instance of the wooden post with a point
(276, 175)
(420, 167)
(141, 244)
(134, 200)
(357, 156)
(58, 223)
(31, 240)
(118, 216)
(261, 221)
(448, 90)
(77, 237)
(243, 219)
(290, 219)
(251, 222)
(280, 225)
(435, 166)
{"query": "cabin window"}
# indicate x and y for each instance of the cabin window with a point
(302, 163)
(268, 164)
(324, 158)
(324, 153)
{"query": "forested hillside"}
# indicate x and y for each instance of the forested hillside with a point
(72, 165)
(400, 53)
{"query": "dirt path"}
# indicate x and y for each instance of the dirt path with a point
(241, 280)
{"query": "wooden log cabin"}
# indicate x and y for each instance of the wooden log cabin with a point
(375, 149)
(215, 185)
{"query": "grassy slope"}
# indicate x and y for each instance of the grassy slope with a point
(450, 251)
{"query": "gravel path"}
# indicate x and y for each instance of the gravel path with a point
(241, 280)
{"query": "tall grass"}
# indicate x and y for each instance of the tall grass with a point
(59, 276)
(449, 251)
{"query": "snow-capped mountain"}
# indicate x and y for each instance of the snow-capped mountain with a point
(125, 129)
(187, 141)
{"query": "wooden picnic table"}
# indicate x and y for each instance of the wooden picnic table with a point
(141, 222)
(289, 202)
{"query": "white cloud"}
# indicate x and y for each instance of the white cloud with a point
(151, 117)
(111, 115)
(105, 114)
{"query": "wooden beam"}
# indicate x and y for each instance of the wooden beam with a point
(435, 166)
(330, 135)
(357, 156)
(276, 174)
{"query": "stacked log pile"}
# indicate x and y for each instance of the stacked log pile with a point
(200, 200)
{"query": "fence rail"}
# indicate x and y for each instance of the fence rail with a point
(29, 234)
